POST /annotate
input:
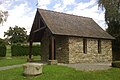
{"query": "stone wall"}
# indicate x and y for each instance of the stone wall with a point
(75, 50)
(70, 49)
(76, 54)
(106, 50)
(62, 49)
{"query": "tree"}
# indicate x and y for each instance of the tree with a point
(112, 18)
(16, 34)
(2, 41)
(112, 8)
(3, 15)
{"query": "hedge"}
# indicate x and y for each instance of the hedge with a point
(23, 50)
(116, 64)
(2, 50)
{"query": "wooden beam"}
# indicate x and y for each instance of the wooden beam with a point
(53, 47)
(39, 29)
(39, 21)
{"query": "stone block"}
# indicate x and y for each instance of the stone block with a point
(32, 69)
(52, 62)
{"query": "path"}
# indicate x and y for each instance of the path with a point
(80, 66)
(10, 67)
(89, 66)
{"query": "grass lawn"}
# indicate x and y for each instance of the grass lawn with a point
(54, 72)
(12, 61)
(7, 61)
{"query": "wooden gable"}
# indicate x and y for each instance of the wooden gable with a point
(37, 29)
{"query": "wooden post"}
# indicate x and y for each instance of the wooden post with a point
(53, 51)
(30, 51)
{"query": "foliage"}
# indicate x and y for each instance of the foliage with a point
(18, 50)
(3, 16)
(23, 50)
(3, 41)
(114, 30)
(2, 50)
(55, 72)
(112, 8)
(116, 64)
(112, 18)
(16, 34)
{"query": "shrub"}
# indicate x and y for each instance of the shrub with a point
(116, 64)
(23, 50)
(18, 50)
(2, 50)
(36, 50)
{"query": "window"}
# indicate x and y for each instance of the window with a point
(99, 46)
(85, 46)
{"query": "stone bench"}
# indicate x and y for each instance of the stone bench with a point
(32, 69)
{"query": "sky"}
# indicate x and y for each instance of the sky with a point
(22, 12)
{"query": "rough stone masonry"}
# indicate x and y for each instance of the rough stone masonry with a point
(70, 49)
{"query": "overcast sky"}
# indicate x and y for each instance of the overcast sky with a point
(22, 12)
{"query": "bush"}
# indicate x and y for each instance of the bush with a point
(2, 50)
(36, 50)
(116, 64)
(23, 50)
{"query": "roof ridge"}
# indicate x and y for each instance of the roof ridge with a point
(64, 13)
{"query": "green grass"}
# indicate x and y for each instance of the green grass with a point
(12, 61)
(54, 72)
(7, 61)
